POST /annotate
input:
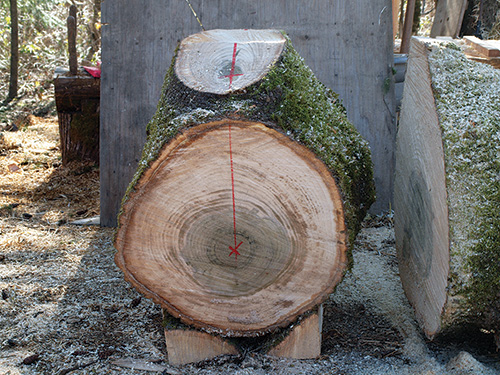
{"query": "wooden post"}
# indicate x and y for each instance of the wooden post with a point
(408, 25)
(395, 17)
(72, 25)
(251, 188)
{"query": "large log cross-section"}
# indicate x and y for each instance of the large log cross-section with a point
(251, 186)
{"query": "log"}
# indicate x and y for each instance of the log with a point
(447, 222)
(250, 190)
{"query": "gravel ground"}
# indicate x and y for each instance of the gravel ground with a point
(65, 308)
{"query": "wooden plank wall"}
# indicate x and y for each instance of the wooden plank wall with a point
(347, 43)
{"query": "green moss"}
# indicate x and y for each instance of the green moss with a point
(468, 103)
(289, 99)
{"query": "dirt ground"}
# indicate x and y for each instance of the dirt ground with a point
(65, 308)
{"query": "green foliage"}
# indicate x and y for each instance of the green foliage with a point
(42, 47)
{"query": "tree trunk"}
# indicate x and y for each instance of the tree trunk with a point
(447, 196)
(14, 51)
(251, 187)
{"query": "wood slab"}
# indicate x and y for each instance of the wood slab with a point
(448, 18)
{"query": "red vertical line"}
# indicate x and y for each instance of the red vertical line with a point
(231, 73)
(232, 185)
(235, 249)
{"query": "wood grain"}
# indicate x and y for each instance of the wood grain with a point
(487, 48)
(420, 198)
(304, 342)
(185, 346)
(223, 61)
(176, 229)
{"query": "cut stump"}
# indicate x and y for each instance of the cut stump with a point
(447, 191)
(251, 186)
(77, 102)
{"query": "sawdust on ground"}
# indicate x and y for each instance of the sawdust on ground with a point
(66, 309)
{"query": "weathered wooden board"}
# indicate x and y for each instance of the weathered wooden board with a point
(487, 48)
(139, 39)
(448, 18)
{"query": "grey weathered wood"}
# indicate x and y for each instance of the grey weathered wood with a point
(448, 18)
(348, 44)
(73, 60)
(408, 26)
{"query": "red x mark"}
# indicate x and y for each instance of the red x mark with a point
(231, 72)
(235, 250)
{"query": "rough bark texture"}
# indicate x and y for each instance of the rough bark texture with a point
(288, 106)
(466, 109)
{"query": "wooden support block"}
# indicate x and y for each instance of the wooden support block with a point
(187, 346)
(487, 48)
(304, 342)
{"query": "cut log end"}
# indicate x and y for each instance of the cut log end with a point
(223, 61)
(420, 206)
(446, 200)
(234, 228)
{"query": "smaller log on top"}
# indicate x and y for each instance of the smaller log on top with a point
(250, 190)
(447, 196)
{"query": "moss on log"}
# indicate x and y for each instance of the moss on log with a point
(468, 103)
(307, 185)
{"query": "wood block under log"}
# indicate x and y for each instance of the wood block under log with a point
(447, 222)
(188, 346)
(302, 341)
(250, 191)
